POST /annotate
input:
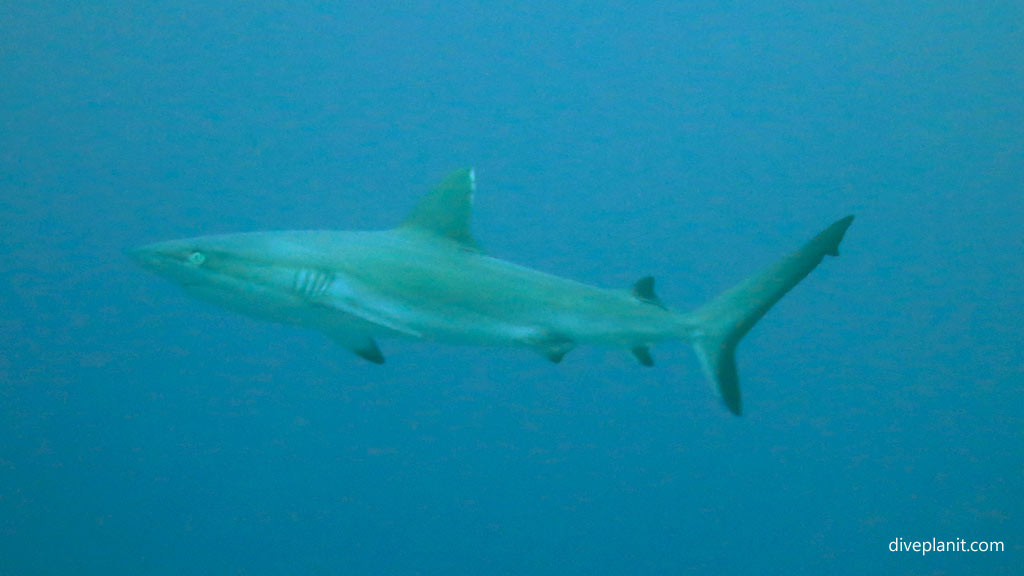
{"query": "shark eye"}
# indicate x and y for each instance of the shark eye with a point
(196, 258)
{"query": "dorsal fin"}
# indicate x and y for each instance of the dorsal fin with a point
(445, 211)
(643, 291)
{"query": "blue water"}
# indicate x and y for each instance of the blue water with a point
(145, 433)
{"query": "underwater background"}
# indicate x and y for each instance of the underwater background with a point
(142, 432)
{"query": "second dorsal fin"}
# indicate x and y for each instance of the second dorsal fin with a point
(446, 210)
(643, 291)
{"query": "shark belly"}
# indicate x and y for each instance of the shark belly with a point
(473, 305)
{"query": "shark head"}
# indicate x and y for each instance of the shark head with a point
(234, 270)
(184, 262)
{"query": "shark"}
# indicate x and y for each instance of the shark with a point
(429, 279)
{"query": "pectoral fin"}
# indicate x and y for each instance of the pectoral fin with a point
(363, 345)
(349, 306)
(643, 355)
(370, 351)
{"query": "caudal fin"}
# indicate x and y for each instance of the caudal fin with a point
(723, 321)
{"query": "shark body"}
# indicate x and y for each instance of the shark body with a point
(428, 279)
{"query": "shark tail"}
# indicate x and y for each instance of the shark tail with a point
(721, 323)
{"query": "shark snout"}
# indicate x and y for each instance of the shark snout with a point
(156, 257)
(146, 256)
(136, 253)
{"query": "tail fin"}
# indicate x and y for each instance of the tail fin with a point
(723, 321)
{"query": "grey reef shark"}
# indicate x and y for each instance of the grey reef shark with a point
(428, 279)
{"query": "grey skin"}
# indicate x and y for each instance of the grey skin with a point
(428, 279)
